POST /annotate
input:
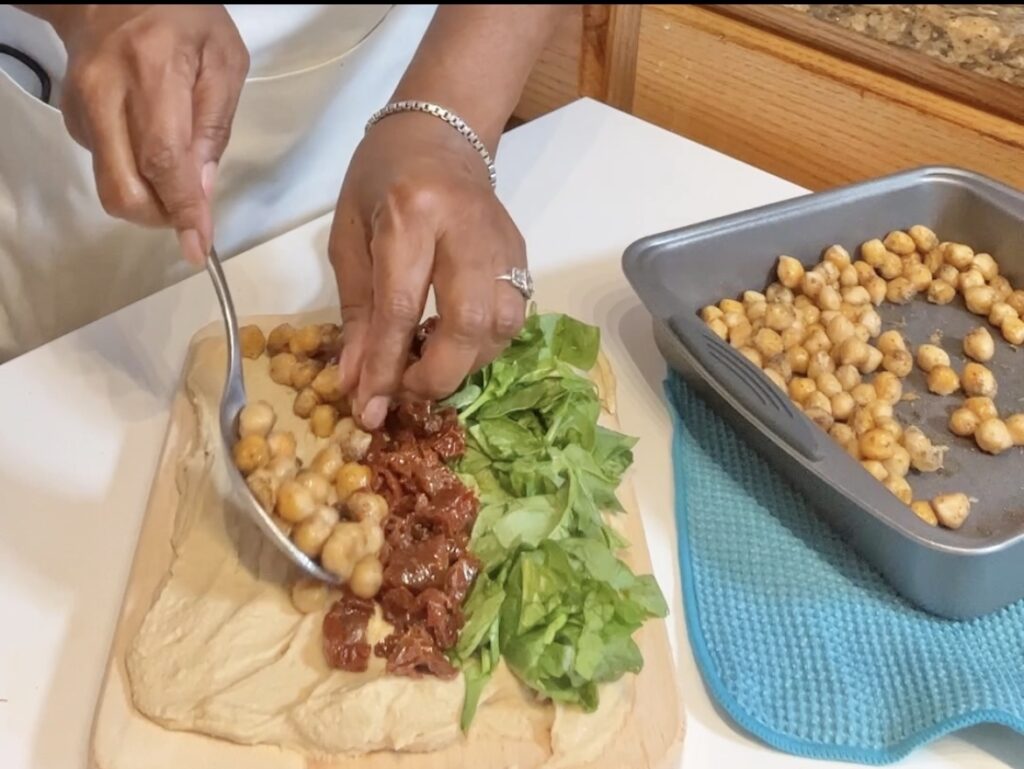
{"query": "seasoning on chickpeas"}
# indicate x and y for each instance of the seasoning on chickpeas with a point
(252, 341)
(251, 453)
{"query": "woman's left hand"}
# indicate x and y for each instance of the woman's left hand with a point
(417, 210)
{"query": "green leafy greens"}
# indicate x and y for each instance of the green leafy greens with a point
(552, 598)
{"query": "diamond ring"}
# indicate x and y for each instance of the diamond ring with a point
(520, 280)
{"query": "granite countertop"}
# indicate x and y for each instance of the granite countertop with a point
(985, 39)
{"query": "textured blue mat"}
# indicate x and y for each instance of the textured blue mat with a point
(797, 638)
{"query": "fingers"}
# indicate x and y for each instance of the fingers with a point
(509, 315)
(402, 253)
(214, 101)
(353, 272)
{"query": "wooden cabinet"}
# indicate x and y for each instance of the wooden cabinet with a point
(775, 88)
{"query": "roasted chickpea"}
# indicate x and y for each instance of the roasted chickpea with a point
(978, 380)
(880, 409)
(853, 352)
(793, 336)
(983, 406)
(1013, 331)
(1016, 301)
(891, 426)
(263, 486)
(354, 442)
(972, 279)
(752, 355)
(940, 292)
(872, 360)
(836, 255)
(821, 363)
(959, 255)
(367, 577)
(877, 288)
(282, 444)
(856, 295)
(963, 422)
(873, 252)
(330, 339)
(310, 595)
(877, 444)
(282, 365)
(328, 461)
(891, 268)
(305, 402)
(777, 379)
(848, 376)
(986, 265)
(993, 436)
(899, 488)
(790, 272)
(367, 506)
(818, 401)
(717, 326)
(817, 340)
(839, 329)
(323, 419)
(252, 341)
(820, 417)
(828, 384)
(919, 276)
(929, 356)
(279, 338)
(875, 468)
(862, 421)
(900, 291)
(728, 306)
(343, 548)
(1000, 313)
(848, 277)
(978, 344)
(891, 341)
(710, 313)
(899, 362)
(979, 299)
(753, 297)
(317, 484)
(1015, 425)
(865, 272)
(899, 243)
(844, 436)
(830, 271)
(256, 419)
(800, 389)
(251, 453)
(925, 457)
(888, 387)
(305, 341)
(352, 477)
(305, 372)
(798, 359)
(295, 502)
(312, 534)
(923, 510)
(949, 274)
(934, 261)
(741, 333)
(327, 384)
(898, 464)
(779, 317)
(924, 239)
(809, 315)
(283, 526)
(768, 343)
(1002, 288)
(829, 298)
(863, 394)
(871, 321)
(842, 405)
(943, 380)
(951, 509)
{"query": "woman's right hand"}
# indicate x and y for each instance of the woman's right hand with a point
(151, 91)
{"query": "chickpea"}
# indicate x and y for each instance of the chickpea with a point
(282, 444)
(251, 453)
(282, 365)
(836, 255)
(793, 336)
(848, 277)
(352, 477)
(263, 486)
(780, 365)
(252, 341)
(978, 380)
(801, 388)
(367, 506)
(752, 355)
(871, 321)
(810, 315)
(929, 356)
(821, 363)
(820, 417)
(367, 577)
(900, 291)
(310, 595)
(816, 341)
(305, 372)
(951, 509)
(877, 444)
(1015, 426)
(305, 341)
(856, 295)
(283, 468)
(753, 297)
(829, 299)
(919, 276)
(1002, 288)
(899, 243)
(963, 422)
(1013, 331)
(979, 299)
(717, 326)
(777, 379)
(891, 426)
(983, 406)
(328, 461)
(343, 548)
(312, 534)
(898, 465)
(728, 306)
(323, 419)
(756, 314)
(925, 457)
(872, 360)
(924, 239)
(779, 317)
(778, 293)
(934, 260)
(768, 343)
(891, 341)
(710, 313)
(891, 268)
(923, 510)
(899, 488)
(256, 419)
(942, 380)
(279, 338)
(873, 252)
(828, 384)
(888, 387)
(354, 442)
(852, 352)
(305, 402)
(940, 292)
(993, 436)
(848, 376)
(839, 329)
(740, 334)
(863, 394)
(972, 279)
(790, 271)
(1016, 301)
(877, 288)
(986, 265)
(295, 502)
(317, 484)
(850, 311)
(978, 344)
(949, 274)
(865, 272)
(842, 405)
(900, 363)
(842, 434)
(1000, 313)
(330, 339)
(818, 400)
(830, 271)
(798, 359)
(959, 255)
(875, 468)
(879, 409)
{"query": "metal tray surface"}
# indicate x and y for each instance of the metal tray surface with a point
(965, 573)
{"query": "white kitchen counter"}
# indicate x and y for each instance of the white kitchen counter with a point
(84, 419)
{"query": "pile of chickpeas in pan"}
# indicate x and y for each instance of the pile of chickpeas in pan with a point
(816, 334)
(327, 508)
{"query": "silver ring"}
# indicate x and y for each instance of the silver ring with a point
(521, 280)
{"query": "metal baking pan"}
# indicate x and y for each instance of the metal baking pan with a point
(959, 574)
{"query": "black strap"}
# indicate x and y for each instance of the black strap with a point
(32, 64)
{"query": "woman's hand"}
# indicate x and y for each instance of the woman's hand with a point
(417, 210)
(151, 91)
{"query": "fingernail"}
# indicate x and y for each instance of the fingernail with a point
(209, 177)
(191, 249)
(375, 412)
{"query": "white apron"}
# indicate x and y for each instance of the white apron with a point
(316, 75)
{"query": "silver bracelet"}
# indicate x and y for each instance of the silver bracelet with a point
(447, 116)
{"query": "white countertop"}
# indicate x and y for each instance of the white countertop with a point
(84, 419)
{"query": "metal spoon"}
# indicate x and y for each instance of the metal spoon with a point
(231, 403)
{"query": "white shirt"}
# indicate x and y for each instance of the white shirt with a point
(317, 72)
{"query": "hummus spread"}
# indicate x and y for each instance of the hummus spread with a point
(223, 652)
